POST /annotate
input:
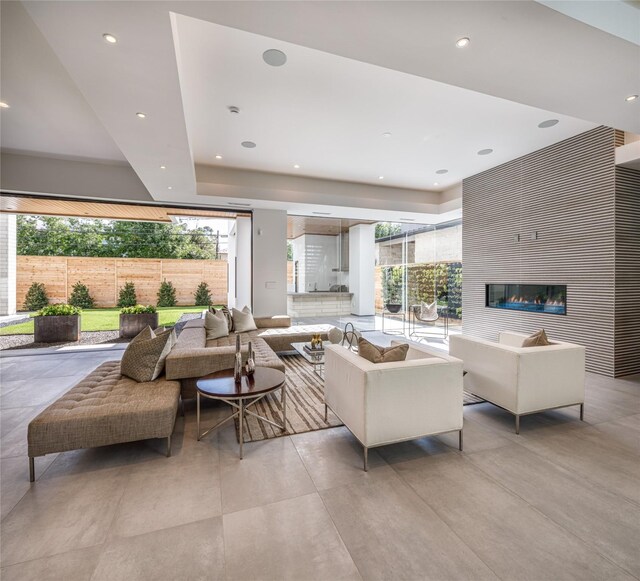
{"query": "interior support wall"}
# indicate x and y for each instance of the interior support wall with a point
(548, 217)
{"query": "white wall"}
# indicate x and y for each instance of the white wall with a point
(7, 264)
(362, 261)
(321, 256)
(269, 262)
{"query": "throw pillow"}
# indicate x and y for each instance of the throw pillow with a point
(377, 354)
(538, 339)
(243, 320)
(227, 314)
(216, 325)
(144, 358)
(144, 335)
(429, 312)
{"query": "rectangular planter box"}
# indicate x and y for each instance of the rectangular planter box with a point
(56, 329)
(131, 325)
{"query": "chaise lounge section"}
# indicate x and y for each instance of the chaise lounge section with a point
(102, 409)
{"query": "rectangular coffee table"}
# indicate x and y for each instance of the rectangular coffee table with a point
(315, 359)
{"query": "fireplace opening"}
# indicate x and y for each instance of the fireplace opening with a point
(533, 298)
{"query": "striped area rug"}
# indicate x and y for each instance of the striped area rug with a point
(305, 404)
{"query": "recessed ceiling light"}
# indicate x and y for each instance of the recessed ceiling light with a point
(322, 213)
(442, 171)
(436, 184)
(548, 123)
(631, 98)
(462, 42)
(380, 177)
(109, 38)
(170, 188)
(407, 219)
(218, 157)
(141, 115)
(296, 166)
(248, 144)
(238, 204)
(274, 57)
(4, 105)
(485, 151)
(386, 134)
(163, 167)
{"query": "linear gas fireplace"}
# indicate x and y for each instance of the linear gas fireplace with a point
(533, 298)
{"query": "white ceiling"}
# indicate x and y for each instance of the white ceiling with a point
(523, 52)
(328, 114)
(48, 113)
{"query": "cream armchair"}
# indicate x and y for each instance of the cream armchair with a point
(383, 403)
(522, 380)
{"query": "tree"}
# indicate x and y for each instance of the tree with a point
(36, 297)
(385, 229)
(80, 297)
(167, 294)
(202, 295)
(127, 296)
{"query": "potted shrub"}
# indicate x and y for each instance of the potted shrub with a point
(56, 324)
(134, 319)
(392, 289)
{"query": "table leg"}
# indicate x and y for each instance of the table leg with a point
(241, 426)
(284, 409)
(198, 414)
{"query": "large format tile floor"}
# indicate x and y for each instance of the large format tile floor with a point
(559, 501)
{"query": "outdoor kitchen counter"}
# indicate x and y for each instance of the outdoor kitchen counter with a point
(318, 304)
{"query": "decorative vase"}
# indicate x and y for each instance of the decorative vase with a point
(237, 369)
(251, 364)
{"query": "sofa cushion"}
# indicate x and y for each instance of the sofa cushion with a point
(227, 314)
(538, 339)
(216, 325)
(243, 320)
(144, 358)
(377, 354)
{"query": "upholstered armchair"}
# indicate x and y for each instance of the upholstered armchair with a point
(384, 403)
(522, 380)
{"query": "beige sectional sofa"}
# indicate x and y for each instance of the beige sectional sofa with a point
(193, 356)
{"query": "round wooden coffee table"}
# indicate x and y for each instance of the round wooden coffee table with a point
(221, 386)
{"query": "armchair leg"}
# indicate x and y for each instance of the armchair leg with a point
(168, 446)
(32, 469)
(517, 424)
(366, 459)
(582, 412)
(460, 440)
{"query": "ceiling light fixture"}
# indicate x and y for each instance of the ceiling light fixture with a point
(436, 184)
(322, 213)
(163, 167)
(109, 38)
(170, 188)
(485, 151)
(4, 105)
(238, 204)
(296, 166)
(631, 98)
(442, 171)
(380, 177)
(407, 219)
(218, 157)
(233, 109)
(463, 42)
(548, 123)
(248, 144)
(386, 134)
(141, 115)
(274, 57)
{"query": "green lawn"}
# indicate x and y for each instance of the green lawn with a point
(106, 320)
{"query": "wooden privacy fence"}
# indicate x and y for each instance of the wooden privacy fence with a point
(105, 277)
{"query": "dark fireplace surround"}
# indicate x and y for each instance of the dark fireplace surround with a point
(531, 298)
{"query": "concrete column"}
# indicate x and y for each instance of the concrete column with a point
(239, 258)
(269, 262)
(7, 264)
(362, 263)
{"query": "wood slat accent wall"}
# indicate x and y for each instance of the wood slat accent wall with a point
(627, 317)
(565, 193)
(105, 277)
